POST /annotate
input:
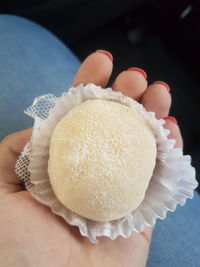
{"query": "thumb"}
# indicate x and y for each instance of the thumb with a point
(10, 148)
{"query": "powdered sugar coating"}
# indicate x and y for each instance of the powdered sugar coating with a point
(172, 182)
(102, 156)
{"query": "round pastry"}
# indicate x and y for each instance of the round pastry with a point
(101, 158)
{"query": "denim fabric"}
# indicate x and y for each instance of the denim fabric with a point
(176, 240)
(34, 62)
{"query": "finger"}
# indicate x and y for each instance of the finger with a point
(132, 83)
(157, 99)
(96, 68)
(171, 124)
(10, 148)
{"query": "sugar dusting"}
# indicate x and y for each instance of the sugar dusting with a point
(97, 158)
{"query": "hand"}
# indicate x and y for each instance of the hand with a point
(30, 234)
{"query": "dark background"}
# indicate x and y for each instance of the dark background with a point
(160, 36)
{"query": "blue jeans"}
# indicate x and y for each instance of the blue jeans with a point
(34, 62)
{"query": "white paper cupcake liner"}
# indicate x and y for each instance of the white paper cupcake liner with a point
(173, 180)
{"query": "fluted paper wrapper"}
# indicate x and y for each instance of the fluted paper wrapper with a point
(173, 179)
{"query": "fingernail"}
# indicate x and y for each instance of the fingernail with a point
(170, 118)
(164, 84)
(108, 54)
(139, 70)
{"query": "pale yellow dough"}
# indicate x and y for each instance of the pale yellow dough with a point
(102, 156)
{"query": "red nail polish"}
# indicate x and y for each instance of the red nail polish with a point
(139, 70)
(108, 54)
(170, 118)
(164, 84)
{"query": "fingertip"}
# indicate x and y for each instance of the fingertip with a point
(157, 99)
(96, 68)
(171, 118)
(131, 82)
(106, 53)
(163, 84)
(141, 71)
(175, 133)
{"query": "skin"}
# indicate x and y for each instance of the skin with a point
(30, 234)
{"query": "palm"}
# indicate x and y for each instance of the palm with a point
(30, 234)
(43, 236)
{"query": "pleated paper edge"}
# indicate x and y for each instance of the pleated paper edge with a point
(176, 191)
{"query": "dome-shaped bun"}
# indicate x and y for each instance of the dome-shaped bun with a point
(102, 156)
